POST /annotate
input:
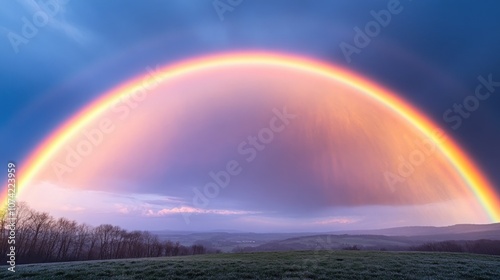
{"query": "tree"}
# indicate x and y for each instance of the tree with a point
(42, 238)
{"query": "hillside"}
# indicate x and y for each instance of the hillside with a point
(336, 242)
(474, 231)
(390, 238)
(284, 265)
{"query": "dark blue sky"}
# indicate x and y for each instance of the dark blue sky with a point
(431, 52)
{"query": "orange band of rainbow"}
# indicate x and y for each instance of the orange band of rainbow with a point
(477, 182)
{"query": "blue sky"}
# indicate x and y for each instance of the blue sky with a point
(431, 52)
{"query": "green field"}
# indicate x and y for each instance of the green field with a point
(283, 265)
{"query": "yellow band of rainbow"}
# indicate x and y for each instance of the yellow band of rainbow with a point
(477, 182)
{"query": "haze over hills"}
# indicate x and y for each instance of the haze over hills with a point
(430, 230)
(390, 238)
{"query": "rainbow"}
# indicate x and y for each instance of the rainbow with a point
(477, 182)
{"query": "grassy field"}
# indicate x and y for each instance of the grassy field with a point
(283, 265)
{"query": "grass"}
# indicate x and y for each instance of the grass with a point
(282, 265)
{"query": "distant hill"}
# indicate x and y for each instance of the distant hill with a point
(337, 242)
(225, 241)
(461, 229)
(383, 239)
(390, 238)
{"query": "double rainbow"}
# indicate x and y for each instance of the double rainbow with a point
(477, 182)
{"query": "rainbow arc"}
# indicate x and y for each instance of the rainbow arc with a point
(464, 165)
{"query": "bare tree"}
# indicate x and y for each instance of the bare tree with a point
(41, 238)
(82, 238)
(37, 222)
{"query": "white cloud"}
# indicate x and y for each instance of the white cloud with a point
(335, 220)
(90, 201)
(55, 12)
(72, 208)
(192, 210)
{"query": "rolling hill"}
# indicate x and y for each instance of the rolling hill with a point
(283, 265)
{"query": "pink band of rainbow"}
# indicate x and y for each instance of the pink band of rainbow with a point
(477, 182)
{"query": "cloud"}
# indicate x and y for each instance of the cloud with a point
(72, 208)
(54, 12)
(336, 220)
(122, 209)
(192, 210)
(92, 201)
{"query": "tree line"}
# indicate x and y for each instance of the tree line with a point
(42, 238)
(482, 246)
